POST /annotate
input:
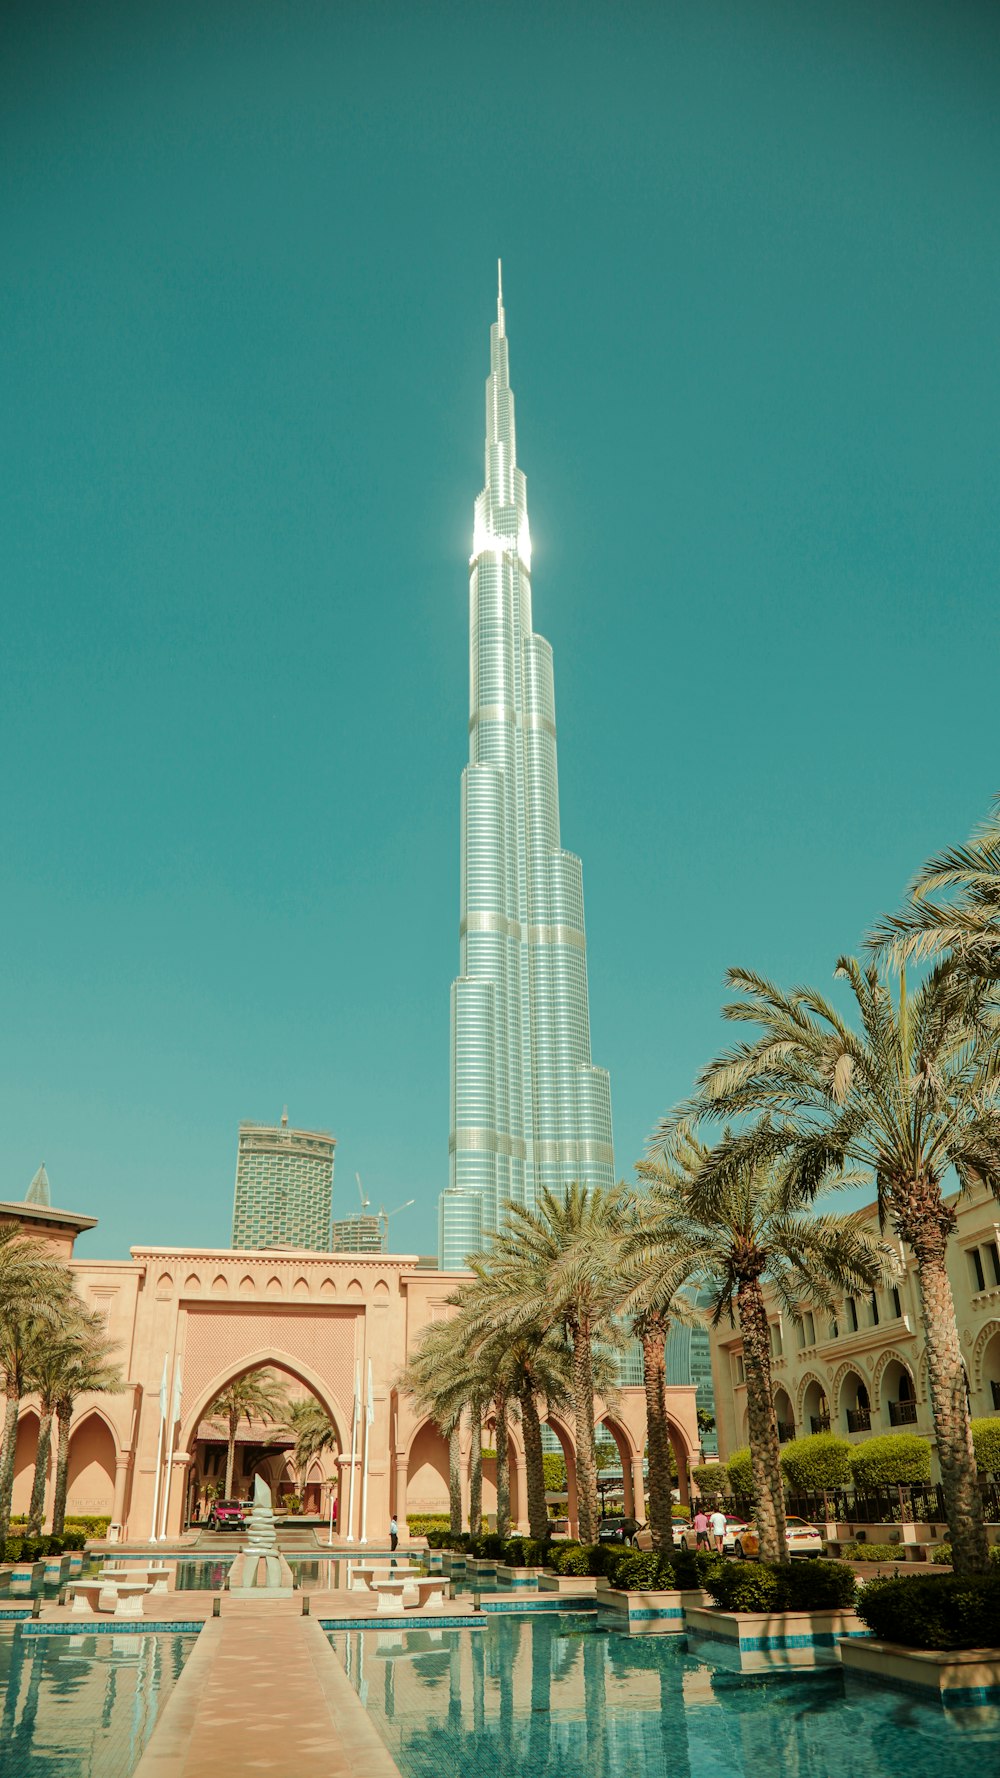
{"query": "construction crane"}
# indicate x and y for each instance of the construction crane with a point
(384, 1216)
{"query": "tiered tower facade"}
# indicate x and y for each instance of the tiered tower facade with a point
(284, 1187)
(528, 1108)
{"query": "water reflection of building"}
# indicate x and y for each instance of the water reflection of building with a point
(77, 1703)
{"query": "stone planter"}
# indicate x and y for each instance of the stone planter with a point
(518, 1577)
(566, 1583)
(480, 1568)
(957, 1676)
(755, 1632)
(661, 1612)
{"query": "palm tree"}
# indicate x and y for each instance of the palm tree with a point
(654, 1281)
(553, 1269)
(88, 1368)
(259, 1395)
(54, 1350)
(313, 1432)
(906, 1096)
(753, 1225)
(953, 905)
(33, 1288)
(437, 1379)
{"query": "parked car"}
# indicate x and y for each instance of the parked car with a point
(679, 1528)
(227, 1515)
(617, 1528)
(803, 1540)
(735, 1530)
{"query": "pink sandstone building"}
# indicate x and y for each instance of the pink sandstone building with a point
(313, 1318)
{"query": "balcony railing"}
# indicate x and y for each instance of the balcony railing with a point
(785, 1432)
(820, 1422)
(995, 1392)
(859, 1420)
(902, 1413)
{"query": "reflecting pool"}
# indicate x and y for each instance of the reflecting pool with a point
(82, 1706)
(553, 1695)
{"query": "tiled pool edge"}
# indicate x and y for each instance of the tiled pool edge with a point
(358, 1736)
(115, 1626)
(926, 1672)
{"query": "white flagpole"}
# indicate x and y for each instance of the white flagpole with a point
(369, 1417)
(175, 1414)
(354, 1451)
(159, 1450)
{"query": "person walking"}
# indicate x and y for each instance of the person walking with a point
(718, 1522)
(393, 1534)
(700, 1525)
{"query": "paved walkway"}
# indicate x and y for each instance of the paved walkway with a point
(262, 1692)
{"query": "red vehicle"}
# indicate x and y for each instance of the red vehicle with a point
(227, 1515)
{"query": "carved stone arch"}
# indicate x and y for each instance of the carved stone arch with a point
(192, 1284)
(885, 1359)
(274, 1287)
(986, 1334)
(300, 1287)
(164, 1284)
(849, 1368)
(620, 1435)
(355, 1288)
(268, 1357)
(800, 1397)
(247, 1285)
(220, 1285)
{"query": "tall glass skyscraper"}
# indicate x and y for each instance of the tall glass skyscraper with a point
(284, 1187)
(528, 1108)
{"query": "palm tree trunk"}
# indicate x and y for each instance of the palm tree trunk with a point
(7, 1459)
(538, 1517)
(503, 1467)
(36, 1511)
(476, 1473)
(765, 1449)
(583, 1404)
(231, 1455)
(455, 1481)
(653, 1334)
(64, 1414)
(950, 1407)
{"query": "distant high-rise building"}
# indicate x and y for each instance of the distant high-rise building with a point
(284, 1187)
(528, 1108)
(358, 1234)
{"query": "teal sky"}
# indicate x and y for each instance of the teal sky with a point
(751, 260)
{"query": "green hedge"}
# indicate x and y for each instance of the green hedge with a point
(786, 1586)
(641, 1571)
(422, 1524)
(986, 1444)
(32, 1549)
(899, 1457)
(569, 1558)
(941, 1555)
(710, 1479)
(933, 1610)
(740, 1472)
(873, 1552)
(823, 1460)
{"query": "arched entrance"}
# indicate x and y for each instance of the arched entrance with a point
(24, 1461)
(90, 1481)
(855, 1403)
(264, 1448)
(784, 1414)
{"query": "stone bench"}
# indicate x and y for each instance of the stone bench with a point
(121, 1598)
(391, 1593)
(154, 1578)
(364, 1574)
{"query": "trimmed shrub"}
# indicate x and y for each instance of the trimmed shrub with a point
(933, 1610)
(422, 1524)
(570, 1558)
(899, 1457)
(787, 1586)
(692, 1568)
(986, 1444)
(941, 1555)
(822, 1460)
(678, 1510)
(739, 1471)
(710, 1479)
(642, 1571)
(744, 1586)
(554, 1472)
(875, 1552)
(92, 1525)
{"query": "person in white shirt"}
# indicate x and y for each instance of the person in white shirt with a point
(719, 1530)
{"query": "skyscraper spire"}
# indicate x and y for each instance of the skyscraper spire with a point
(528, 1109)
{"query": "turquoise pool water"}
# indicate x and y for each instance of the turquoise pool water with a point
(82, 1706)
(553, 1696)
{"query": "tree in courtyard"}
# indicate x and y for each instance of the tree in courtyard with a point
(33, 1289)
(313, 1432)
(953, 906)
(257, 1396)
(755, 1229)
(908, 1091)
(553, 1269)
